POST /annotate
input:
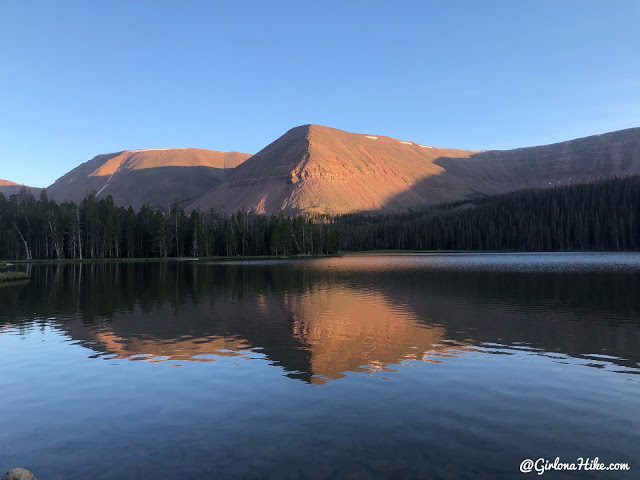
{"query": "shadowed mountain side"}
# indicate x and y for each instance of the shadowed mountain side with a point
(575, 161)
(154, 176)
(8, 188)
(315, 169)
(161, 186)
(494, 172)
(246, 185)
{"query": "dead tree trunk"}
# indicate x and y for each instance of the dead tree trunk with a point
(79, 236)
(56, 245)
(24, 242)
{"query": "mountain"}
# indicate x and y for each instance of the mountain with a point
(316, 169)
(8, 188)
(319, 169)
(154, 176)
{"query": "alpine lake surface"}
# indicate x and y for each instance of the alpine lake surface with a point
(448, 366)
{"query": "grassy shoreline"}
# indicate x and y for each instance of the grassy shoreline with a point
(170, 259)
(12, 276)
(278, 257)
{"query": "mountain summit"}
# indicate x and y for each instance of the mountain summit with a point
(316, 169)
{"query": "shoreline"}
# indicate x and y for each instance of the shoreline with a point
(245, 258)
(167, 259)
(13, 276)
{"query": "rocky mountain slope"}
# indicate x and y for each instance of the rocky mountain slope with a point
(154, 176)
(8, 188)
(315, 169)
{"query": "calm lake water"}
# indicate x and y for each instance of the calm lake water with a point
(382, 366)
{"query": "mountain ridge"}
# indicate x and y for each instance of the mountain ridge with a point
(8, 188)
(154, 176)
(7, 183)
(317, 169)
(313, 169)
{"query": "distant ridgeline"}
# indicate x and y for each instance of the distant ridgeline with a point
(603, 215)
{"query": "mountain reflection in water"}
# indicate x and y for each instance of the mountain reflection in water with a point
(320, 319)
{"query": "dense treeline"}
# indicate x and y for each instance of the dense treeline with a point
(604, 215)
(98, 229)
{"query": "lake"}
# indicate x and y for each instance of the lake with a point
(447, 366)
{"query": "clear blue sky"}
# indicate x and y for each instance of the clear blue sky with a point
(82, 78)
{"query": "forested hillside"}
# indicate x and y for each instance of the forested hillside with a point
(603, 215)
(98, 229)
